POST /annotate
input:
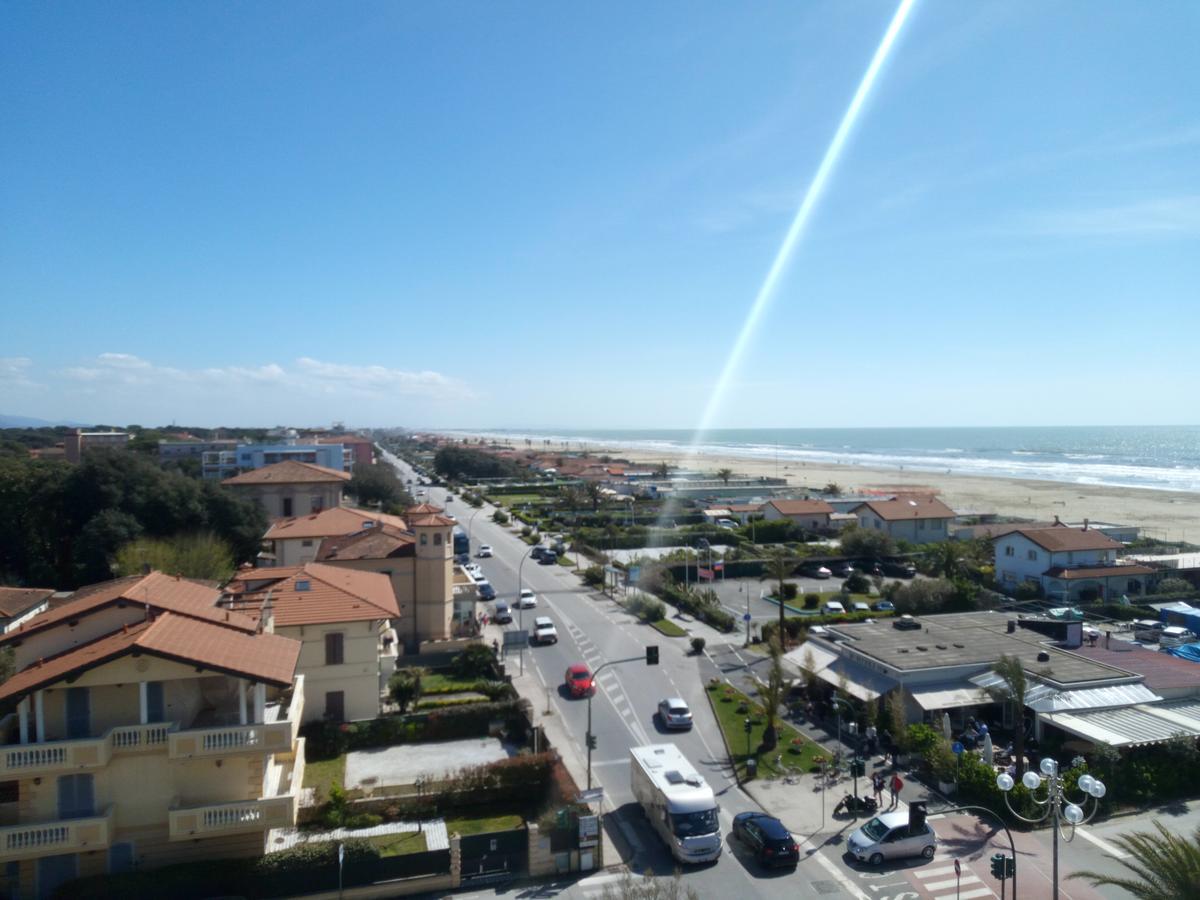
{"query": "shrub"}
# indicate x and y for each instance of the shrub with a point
(500, 517)
(1174, 586)
(404, 687)
(857, 583)
(789, 591)
(526, 530)
(476, 661)
(812, 601)
(594, 576)
(698, 645)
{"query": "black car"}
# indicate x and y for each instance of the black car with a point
(548, 558)
(841, 569)
(767, 838)
(870, 567)
(486, 591)
(899, 569)
(537, 551)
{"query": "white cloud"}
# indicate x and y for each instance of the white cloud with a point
(14, 372)
(122, 361)
(381, 378)
(1175, 216)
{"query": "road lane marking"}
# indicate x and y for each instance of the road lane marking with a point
(1104, 845)
(952, 882)
(967, 895)
(931, 873)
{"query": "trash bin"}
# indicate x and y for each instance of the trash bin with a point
(751, 768)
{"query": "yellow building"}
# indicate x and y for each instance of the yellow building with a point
(294, 542)
(291, 488)
(151, 727)
(343, 620)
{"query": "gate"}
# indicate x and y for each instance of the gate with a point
(496, 856)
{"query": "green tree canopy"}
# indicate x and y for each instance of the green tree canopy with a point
(201, 555)
(862, 542)
(377, 484)
(1162, 865)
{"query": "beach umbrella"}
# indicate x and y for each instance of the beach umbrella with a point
(946, 732)
(987, 749)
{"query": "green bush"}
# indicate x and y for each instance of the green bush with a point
(500, 517)
(526, 530)
(698, 644)
(594, 576)
(475, 662)
(857, 583)
(789, 591)
(812, 601)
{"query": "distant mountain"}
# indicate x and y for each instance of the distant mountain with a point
(7, 421)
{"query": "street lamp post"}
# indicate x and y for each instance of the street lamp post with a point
(520, 608)
(1055, 802)
(589, 738)
(471, 522)
(838, 703)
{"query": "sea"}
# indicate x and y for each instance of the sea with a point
(1165, 457)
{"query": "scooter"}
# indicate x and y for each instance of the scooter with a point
(856, 805)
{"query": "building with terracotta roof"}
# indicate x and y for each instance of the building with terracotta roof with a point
(291, 488)
(917, 518)
(1069, 564)
(150, 727)
(343, 619)
(19, 605)
(812, 515)
(294, 541)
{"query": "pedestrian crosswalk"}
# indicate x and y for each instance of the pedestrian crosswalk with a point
(943, 884)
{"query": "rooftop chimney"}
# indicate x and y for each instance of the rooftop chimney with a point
(1085, 524)
(1056, 521)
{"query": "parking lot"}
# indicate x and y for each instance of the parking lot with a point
(735, 592)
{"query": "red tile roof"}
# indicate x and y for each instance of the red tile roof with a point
(431, 520)
(423, 509)
(160, 592)
(289, 472)
(262, 657)
(333, 522)
(333, 594)
(914, 506)
(1061, 538)
(375, 543)
(17, 601)
(801, 507)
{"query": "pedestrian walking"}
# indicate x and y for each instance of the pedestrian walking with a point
(877, 785)
(896, 785)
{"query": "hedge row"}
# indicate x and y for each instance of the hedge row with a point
(329, 739)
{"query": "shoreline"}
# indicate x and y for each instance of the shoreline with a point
(1163, 514)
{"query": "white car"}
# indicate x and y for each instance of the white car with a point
(474, 570)
(485, 551)
(859, 606)
(527, 600)
(834, 608)
(544, 631)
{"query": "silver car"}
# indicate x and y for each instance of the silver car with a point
(888, 836)
(674, 713)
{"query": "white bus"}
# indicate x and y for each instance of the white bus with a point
(678, 802)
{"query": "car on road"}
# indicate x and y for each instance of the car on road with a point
(884, 606)
(767, 838)
(726, 523)
(889, 836)
(485, 551)
(544, 631)
(474, 570)
(841, 569)
(527, 600)
(815, 570)
(673, 712)
(833, 608)
(502, 614)
(485, 590)
(900, 569)
(537, 551)
(548, 558)
(449, 498)
(579, 680)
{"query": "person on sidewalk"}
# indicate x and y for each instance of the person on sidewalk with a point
(897, 784)
(877, 785)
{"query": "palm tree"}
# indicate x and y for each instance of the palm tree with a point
(725, 475)
(1162, 866)
(945, 558)
(773, 692)
(1013, 690)
(660, 471)
(594, 493)
(779, 567)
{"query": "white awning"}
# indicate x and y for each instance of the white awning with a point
(950, 696)
(860, 682)
(1042, 698)
(1131, 726)
(810, 652)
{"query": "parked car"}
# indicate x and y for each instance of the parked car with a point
(537, 551)
(767, 838)
(449, 498)
(474, 570)
(1148, 630)
(1174, 636)
(544, 631)
(884, 606)
(841, 569)
(900, 569)
(549, 558)
(870, 567)
(726, 523)
(673, 712)
(579, 680)
(859, 606)
(485, 551)
(502, 614)
(527, 600)
(815, 570)
(833, 608)
(889, 836)
(462, 558)
(485, 590)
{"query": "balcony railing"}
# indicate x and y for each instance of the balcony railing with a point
(232, 818)
(52, 838)
(50, 757)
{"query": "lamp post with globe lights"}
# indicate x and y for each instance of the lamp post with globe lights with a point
(1055, 802)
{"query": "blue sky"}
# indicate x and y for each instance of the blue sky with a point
(558, 215)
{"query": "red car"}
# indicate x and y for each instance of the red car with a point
(579, 680)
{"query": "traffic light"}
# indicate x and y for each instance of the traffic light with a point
(1010, 867)
(858, 768)
(591, 741)
(652, 656)
(916, 816)
(998, 866)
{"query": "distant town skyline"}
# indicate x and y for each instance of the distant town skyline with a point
(542, 216)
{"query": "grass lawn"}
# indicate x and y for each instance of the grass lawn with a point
(446, 684)
(725, 701)
(325, 773)
(400, 844)
(504, 822)
(669, 628)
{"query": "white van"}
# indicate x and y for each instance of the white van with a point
(678, 802)
(1174, 636)
(1148, 630)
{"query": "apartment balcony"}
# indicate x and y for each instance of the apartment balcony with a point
(276, 734)
(221, 819)
(52, 838)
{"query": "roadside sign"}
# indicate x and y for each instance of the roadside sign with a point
(595, 795)
(745, 617)
(516, 638)
(957, 747)
(957, 869)
(633, 574)
(589, 830)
